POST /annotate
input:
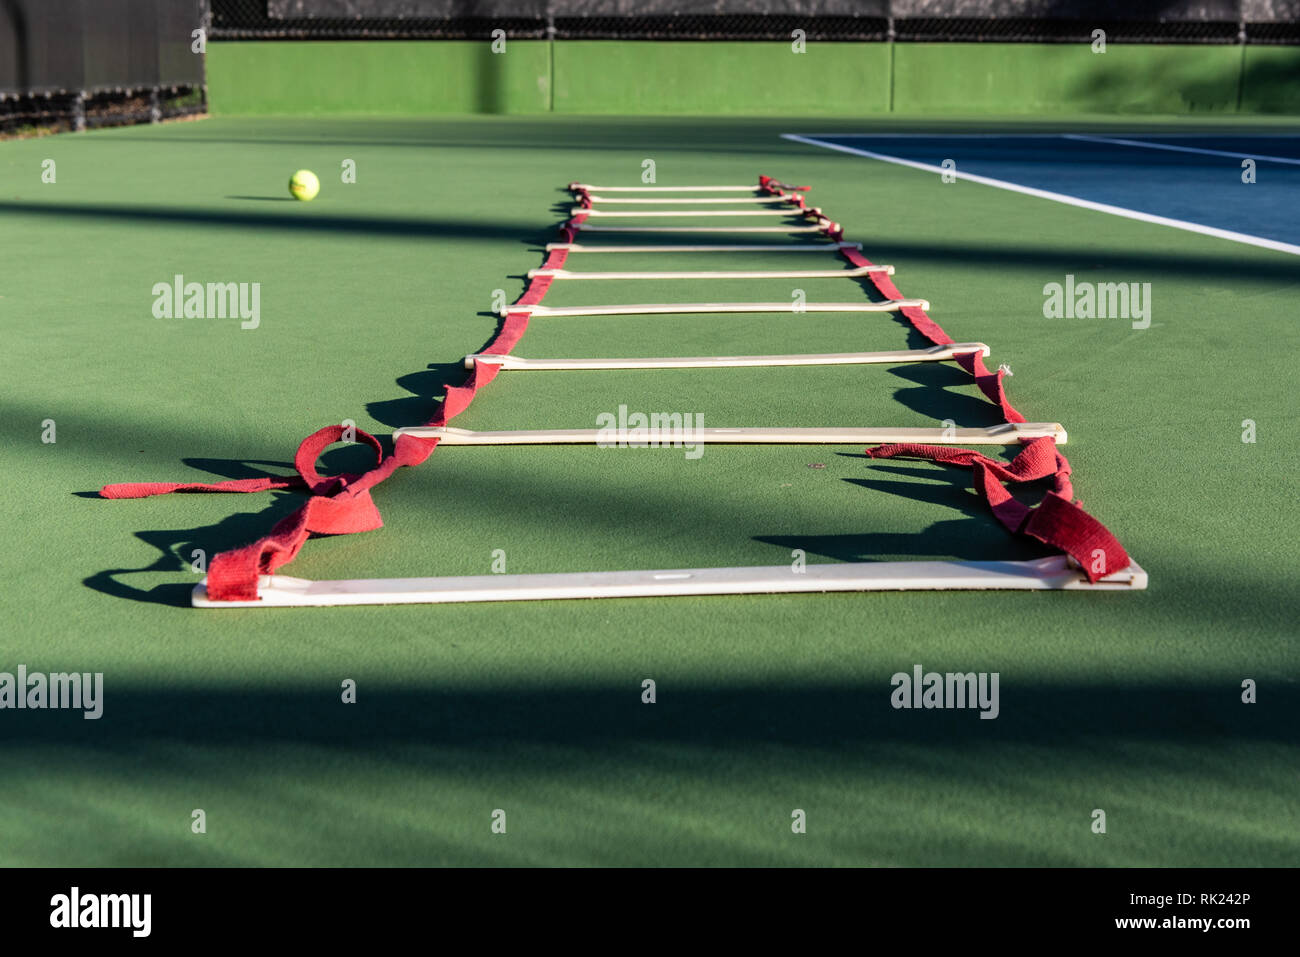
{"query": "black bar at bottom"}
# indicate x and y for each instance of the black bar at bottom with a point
(333, 907)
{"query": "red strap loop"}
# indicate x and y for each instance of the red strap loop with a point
(316, 443)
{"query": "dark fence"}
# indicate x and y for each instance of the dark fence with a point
(79, 63)
(968, 21)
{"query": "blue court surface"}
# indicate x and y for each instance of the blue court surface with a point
(1196, 179)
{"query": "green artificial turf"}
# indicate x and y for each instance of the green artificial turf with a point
(370, 296)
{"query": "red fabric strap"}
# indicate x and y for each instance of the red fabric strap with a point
(990, 383)
(1056, 521)
(145, 489)
(885, 286)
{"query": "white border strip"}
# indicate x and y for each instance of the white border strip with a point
(1184, 225)
(1044, 574)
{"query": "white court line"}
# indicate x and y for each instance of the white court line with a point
(1179, 149)
(942, 136)
(1182, 224)
(1038, 136)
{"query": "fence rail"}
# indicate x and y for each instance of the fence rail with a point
(963, 21)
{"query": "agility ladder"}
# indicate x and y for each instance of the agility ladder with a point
(1090, 557)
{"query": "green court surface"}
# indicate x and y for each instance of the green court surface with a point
(370, 296)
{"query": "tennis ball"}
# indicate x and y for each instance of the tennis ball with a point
(304, 185)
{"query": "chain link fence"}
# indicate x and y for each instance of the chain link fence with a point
(71, 65)
(919, 21)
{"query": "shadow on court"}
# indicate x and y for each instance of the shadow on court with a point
(1251, 264)
(426, 388)
(594, 762)
(789, 713)
(747, 137)
(302, 220)
(177, 546)
(944, 391)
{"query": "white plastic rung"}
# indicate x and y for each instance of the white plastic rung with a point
(711, 248)
(1050, 573)
(618, 200)
(639, 213)
(933, 354)
(1009, 433)
(663, 189)
(697, 229)
(685, 308)
(718, 273)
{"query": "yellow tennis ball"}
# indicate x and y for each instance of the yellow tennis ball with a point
(304, 185)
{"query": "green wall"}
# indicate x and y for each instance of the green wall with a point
(1271, 80)
(594, 76)
(1034, 78)
(379, 77)
(675, 78)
